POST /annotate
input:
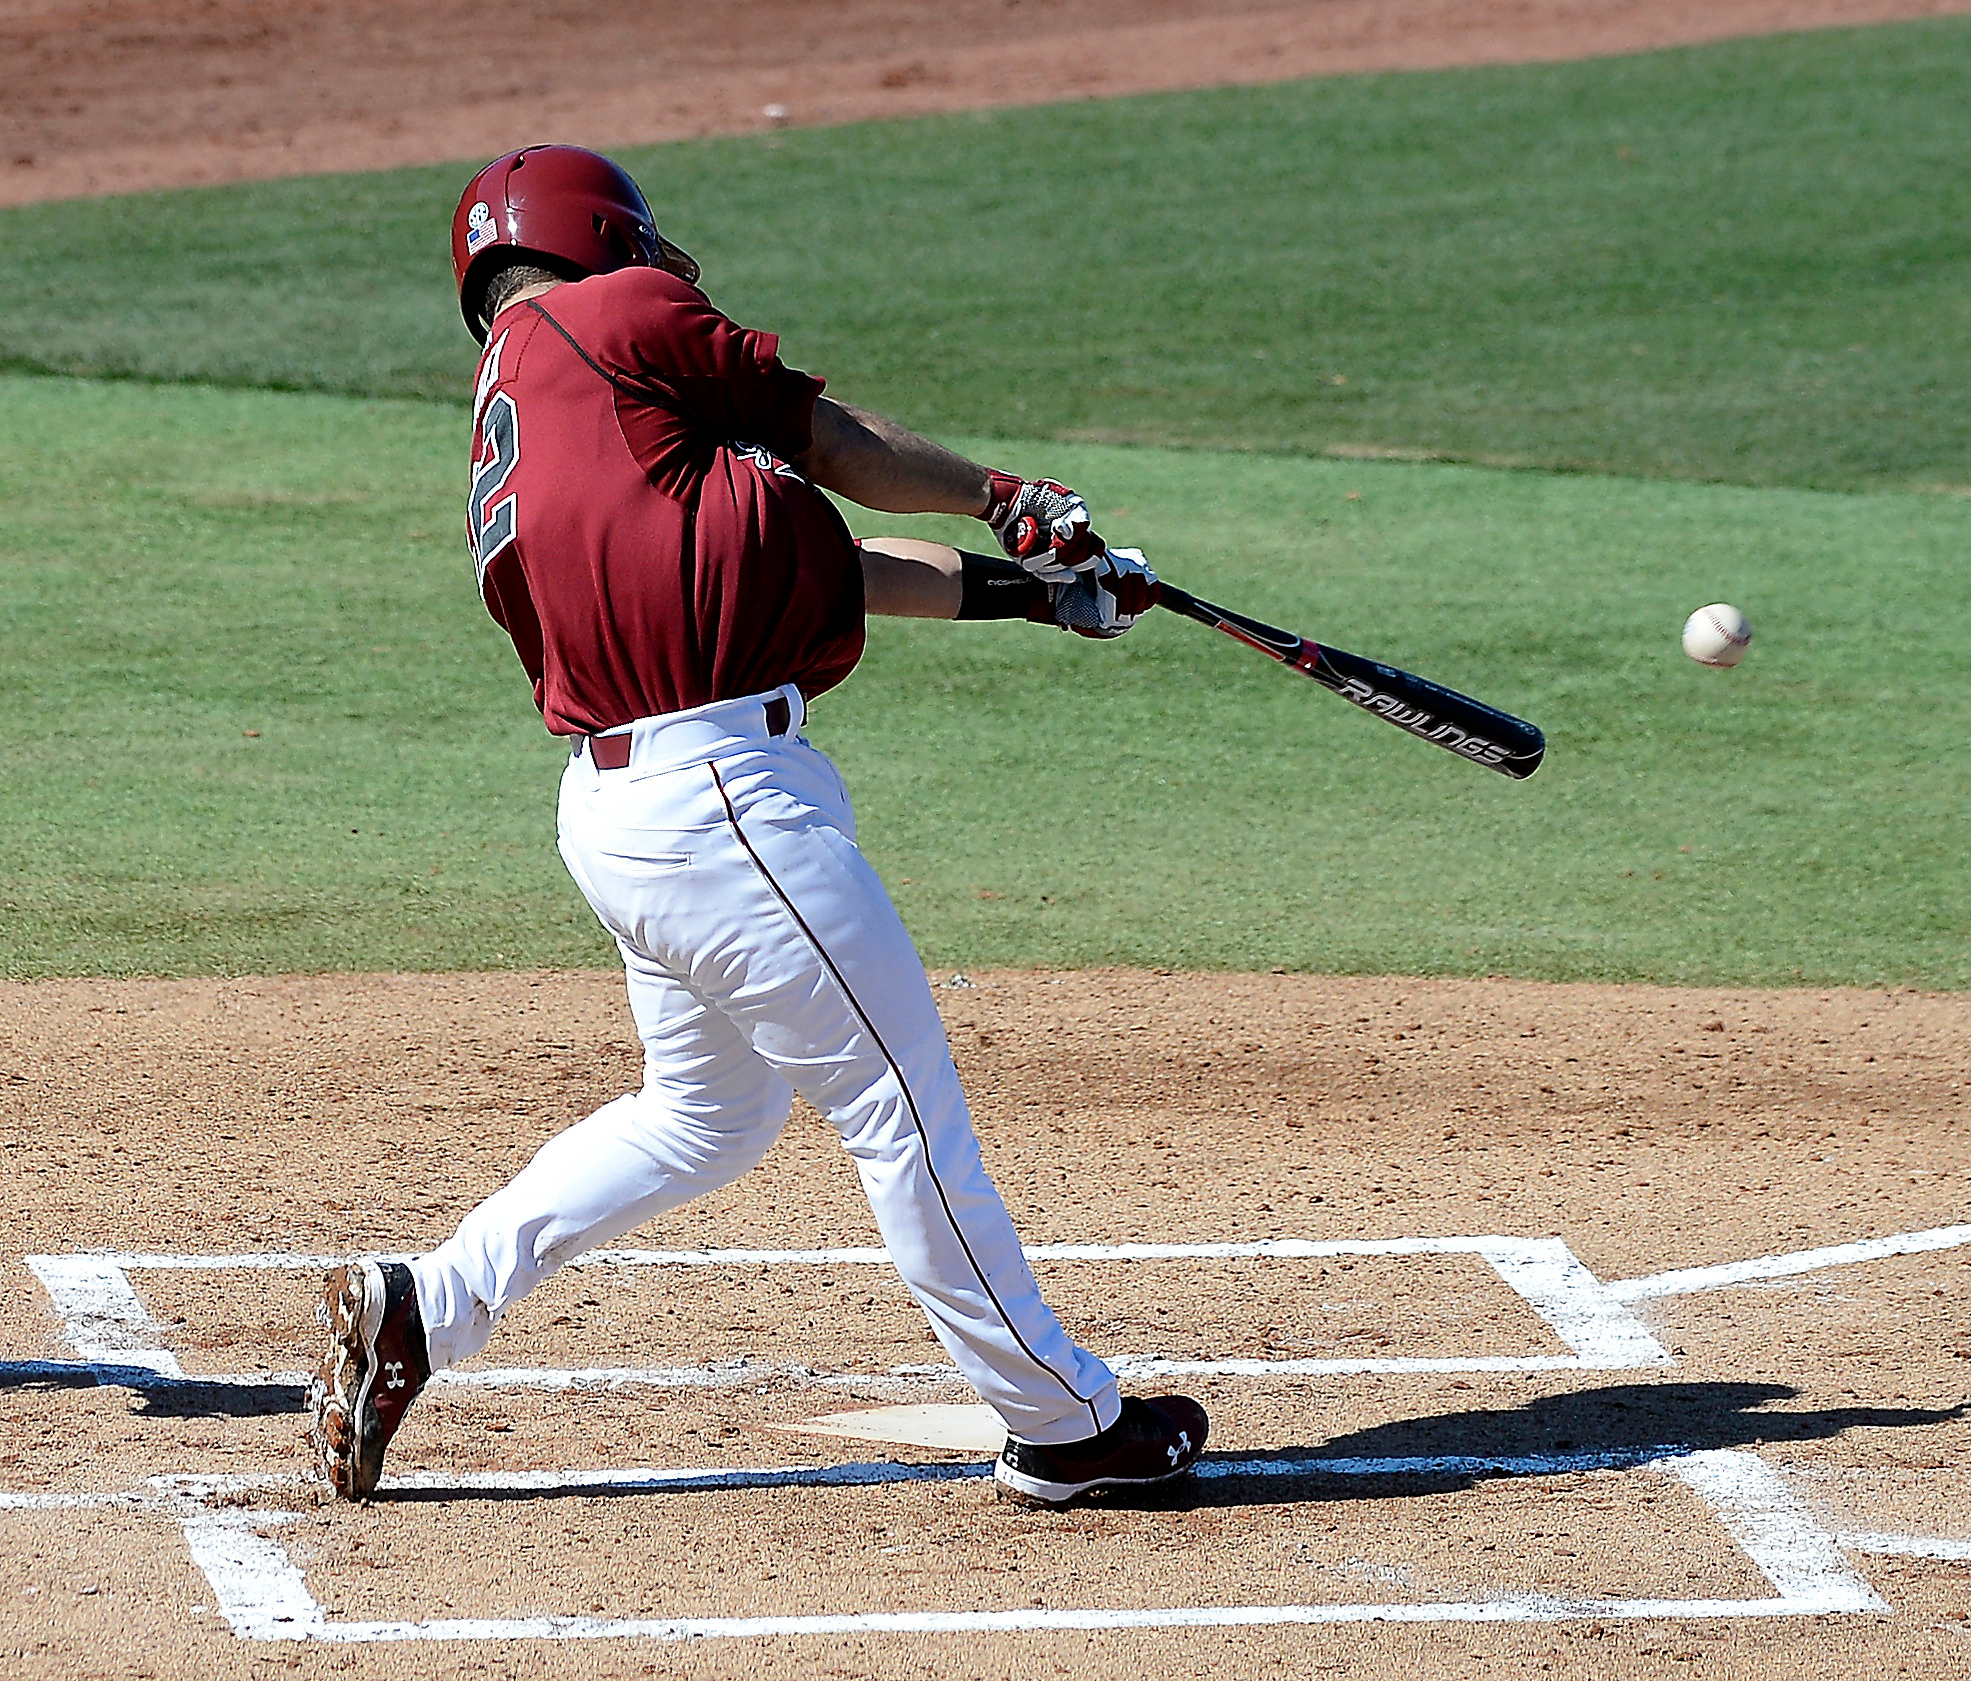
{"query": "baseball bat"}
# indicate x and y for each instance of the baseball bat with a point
(1441, 716)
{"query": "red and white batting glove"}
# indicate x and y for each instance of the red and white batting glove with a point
(1107, 601)
(1042, 525)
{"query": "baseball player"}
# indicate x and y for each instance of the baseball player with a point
(647, 527)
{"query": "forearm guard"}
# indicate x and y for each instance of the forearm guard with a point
(1001, 589)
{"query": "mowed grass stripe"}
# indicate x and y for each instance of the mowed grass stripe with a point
(184, 565)
(1742, 262)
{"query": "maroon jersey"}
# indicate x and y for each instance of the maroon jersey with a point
(637, 529)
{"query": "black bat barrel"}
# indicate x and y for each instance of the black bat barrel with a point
(1427, 710)
(1433, 713)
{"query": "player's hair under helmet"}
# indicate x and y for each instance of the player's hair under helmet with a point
(567, 209)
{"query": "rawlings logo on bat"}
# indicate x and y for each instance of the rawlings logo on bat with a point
(1419, 721)
(1349, 675)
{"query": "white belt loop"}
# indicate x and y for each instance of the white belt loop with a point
(582, 763)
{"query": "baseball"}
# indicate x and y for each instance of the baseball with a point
(1717, 635)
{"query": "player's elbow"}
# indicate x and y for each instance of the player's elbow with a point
(837, 440)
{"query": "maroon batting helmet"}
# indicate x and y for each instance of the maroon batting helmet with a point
(569, 209)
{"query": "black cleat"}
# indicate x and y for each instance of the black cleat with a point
(1150, 1442)
(374, 1368)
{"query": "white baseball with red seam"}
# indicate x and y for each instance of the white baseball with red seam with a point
(1717, 635)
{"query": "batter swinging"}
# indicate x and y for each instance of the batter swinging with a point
(646, 526)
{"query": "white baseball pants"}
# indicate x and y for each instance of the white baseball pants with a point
(765, 958)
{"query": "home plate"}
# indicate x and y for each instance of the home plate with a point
(974, 1429)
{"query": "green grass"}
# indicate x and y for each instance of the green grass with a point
(259, 721)
(179, 566)
(1747, 262)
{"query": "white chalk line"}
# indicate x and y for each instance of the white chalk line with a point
(109, 1320)
(103, 1316)
(38, 1501)
(1285, 1249)
(277, 1618)
(170, 1494)
(105, 1320)
(263, 1596)
(127, 1375)
(758, 1374)
(1774, 1529)
(1692, 1280)
(1945, 1547)
(1680, 1281)
(95, 1270)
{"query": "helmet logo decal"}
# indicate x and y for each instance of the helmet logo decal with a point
(479, 227)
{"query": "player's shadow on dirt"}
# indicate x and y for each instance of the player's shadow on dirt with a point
(1556, 1435)
(188, 1398)
(1618, 1424)
(157, 1396)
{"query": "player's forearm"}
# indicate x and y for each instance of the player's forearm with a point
(876, 462)
(906, 578)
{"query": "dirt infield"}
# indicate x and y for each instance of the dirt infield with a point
(1422, 1433)
(104, 96)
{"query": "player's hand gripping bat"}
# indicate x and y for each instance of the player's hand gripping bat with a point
(1455, 722)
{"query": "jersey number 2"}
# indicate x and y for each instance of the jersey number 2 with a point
(490, 525)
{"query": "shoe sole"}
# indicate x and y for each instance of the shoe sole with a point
(1059, 1494)
(351, 1311)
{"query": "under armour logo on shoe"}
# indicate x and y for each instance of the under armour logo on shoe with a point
(393, 1374)
(1181, 1447)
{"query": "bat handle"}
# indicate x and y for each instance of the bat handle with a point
(1182, 601)
(1287, 646)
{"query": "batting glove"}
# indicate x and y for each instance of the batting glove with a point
(1042, 525)
(1105, 602)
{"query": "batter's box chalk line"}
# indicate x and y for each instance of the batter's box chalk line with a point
(116, 1341)
(264, 1596)
(105, 1321)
